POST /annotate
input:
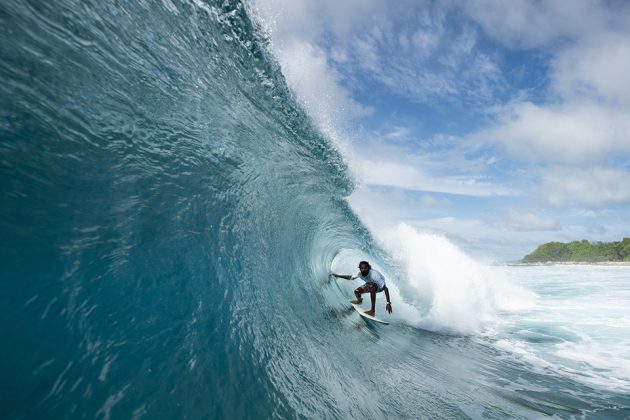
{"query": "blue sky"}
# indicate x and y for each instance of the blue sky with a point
(499, 124)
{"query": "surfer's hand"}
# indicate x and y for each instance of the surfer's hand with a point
(388, 308)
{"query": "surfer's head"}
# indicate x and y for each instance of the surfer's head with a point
(364, 268)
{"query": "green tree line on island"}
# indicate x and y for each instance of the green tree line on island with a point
(581, 251)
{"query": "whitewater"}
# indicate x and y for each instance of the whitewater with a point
(170, 217)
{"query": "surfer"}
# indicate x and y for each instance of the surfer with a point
(374, 283)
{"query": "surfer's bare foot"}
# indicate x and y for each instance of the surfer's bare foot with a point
(356, 301)
(370, 312)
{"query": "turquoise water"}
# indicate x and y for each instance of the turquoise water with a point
(169, 218)
(577, 326)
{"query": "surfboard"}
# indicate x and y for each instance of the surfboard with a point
(361, 312)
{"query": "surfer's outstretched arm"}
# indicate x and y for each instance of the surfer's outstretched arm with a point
(343, 276)
(388, 307)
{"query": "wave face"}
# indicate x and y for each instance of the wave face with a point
(168, 214)
(169, 218)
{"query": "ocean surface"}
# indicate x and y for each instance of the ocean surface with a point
(170, 216)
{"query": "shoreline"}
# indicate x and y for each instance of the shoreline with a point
(603, 263)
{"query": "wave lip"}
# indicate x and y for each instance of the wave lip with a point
(167, 203)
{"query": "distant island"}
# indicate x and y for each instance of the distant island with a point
(581, 251)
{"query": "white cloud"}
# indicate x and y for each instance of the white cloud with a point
(391, 173)
(398, 133)
(572, 133)
(529, 24)
(588, 120)
(429, 201)
(431, 63)
(403, 45)
(591, 187)
(581, 131)
(529, 221)
(596, 69)
(388, 206)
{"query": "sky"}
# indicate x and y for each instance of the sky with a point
(501, 125)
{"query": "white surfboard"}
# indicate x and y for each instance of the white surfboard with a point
(361, 312)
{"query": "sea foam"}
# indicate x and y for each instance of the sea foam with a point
(448, 289)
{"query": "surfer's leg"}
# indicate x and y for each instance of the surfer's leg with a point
(357, 293)
(372, 291)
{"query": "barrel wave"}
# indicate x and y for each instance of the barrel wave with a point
(170, 217)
